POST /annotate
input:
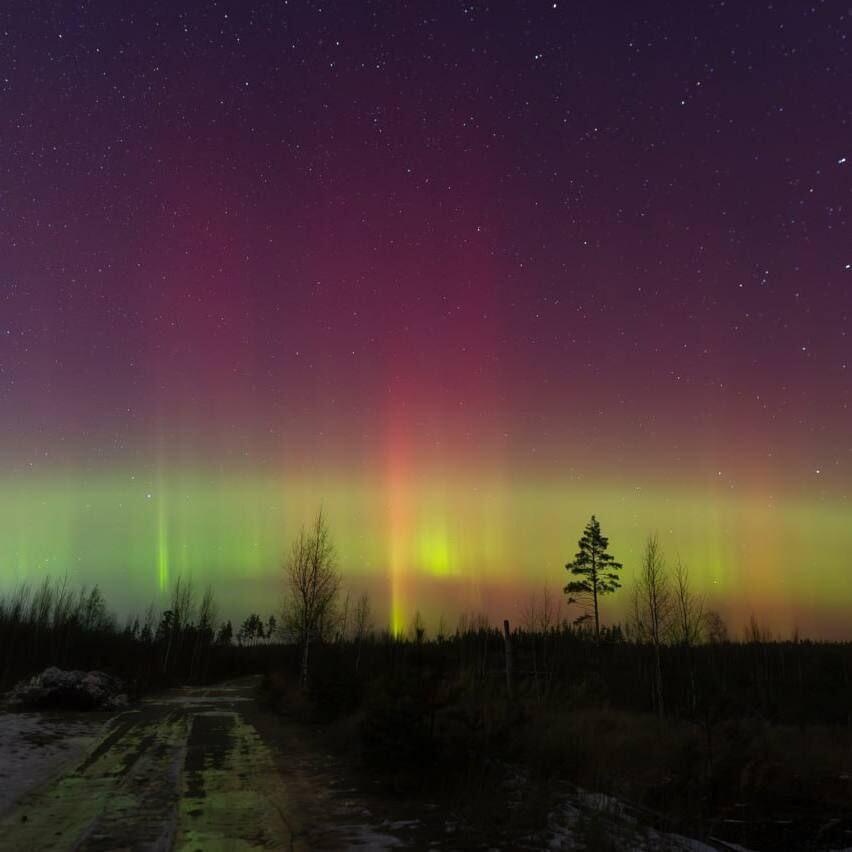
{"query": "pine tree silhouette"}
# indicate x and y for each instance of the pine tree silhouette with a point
(597, 568)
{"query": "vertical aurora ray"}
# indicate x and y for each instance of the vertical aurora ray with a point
(164, 519)
(420, 542)
(162, 539)
(398, 512)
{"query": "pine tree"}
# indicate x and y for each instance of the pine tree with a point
(597, 568)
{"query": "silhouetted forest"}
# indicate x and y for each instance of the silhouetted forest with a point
(52, 624)
(754, 743)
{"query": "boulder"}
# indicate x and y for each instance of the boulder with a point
(69, 690)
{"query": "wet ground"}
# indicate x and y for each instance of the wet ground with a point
(188, 770)
(210, 769)
(35, 746)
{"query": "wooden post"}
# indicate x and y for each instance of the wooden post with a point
(510, 663)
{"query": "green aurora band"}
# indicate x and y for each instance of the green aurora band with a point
(460, 545)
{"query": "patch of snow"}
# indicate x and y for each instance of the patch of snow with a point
(566, 827)
(77, 690)
(34, 747)
(366, 837)
(688, 844)
(602, 802)
(400, 824)
(736, 847)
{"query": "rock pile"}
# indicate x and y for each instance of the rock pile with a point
(69, 690)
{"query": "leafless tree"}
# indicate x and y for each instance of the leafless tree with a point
(343, 620)
(418, 628)
(363, 617)
(312, 587)
(687, 627)
(759, 637)
(149, 624)
(203, 634)
(541, 617)
(441, 631)
(754, 633)
(653, 609)
(63, 605)
(717, 630)
(688, 616)
(182, 615)
(363, 625)
(543, 613)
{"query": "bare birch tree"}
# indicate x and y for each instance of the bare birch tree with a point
(203, 635)
(177, 619)
(717, 630)
(687, 624)
(653, 609)
(363, 625)
(312, 586)
(688, 609)
(343, 620)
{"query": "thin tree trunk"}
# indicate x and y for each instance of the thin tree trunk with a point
(658, 678)
(597, 622)
(510, 662)
(693, 687)
(168, 652)
(305, 661)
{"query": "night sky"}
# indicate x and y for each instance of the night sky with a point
(464, 272)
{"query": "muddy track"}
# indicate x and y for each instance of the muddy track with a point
(186, 771)
(209, 770)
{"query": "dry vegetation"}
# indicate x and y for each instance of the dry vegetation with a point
(747, 740)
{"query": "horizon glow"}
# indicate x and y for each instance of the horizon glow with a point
(443, 555)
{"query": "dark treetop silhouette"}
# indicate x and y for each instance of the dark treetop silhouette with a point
(597, 568)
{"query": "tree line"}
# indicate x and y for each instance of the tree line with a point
(673, 644)
(52, 624)
(671, 632)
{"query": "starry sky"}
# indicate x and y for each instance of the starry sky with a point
(464, 272)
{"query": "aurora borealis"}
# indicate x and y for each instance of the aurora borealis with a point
(464, 273)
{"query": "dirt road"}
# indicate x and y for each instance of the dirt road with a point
(209, 770)
(187, 771)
